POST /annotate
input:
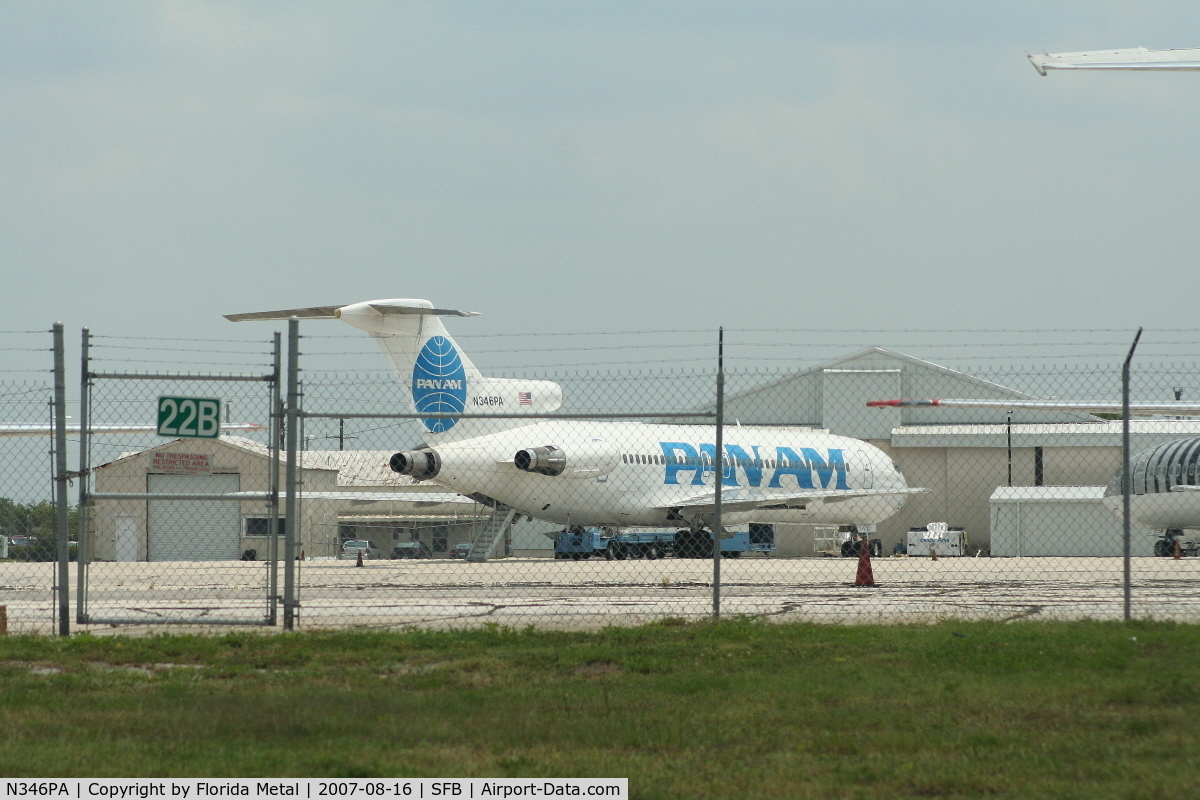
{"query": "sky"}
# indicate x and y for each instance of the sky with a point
(825, 173)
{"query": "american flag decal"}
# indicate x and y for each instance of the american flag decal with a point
(524, 399)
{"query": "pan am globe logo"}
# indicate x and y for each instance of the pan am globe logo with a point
(439, 383)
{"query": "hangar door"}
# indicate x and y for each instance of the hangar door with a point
(193, 530)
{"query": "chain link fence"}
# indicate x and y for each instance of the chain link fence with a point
(180, 527)
(28, 525)
(965, 513)
(591, 499)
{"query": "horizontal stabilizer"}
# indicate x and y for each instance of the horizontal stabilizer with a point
(316, 312)
(436, 312)
(334, 312)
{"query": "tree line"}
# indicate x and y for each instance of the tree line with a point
(32, 529)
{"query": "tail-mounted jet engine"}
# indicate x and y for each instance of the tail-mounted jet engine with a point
(587, 460)
(420, 464)
(548, 460)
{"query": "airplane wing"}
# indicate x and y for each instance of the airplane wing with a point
(1130, 58)
(1141, 409)
(734, 500)
(45, 429)
(333, 312)
(417, 498)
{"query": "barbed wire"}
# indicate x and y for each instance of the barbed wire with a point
(810, 345)
(180, 339)
(540, 334)
(174, 363)
(177, 350)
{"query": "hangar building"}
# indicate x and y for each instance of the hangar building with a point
(205, 530)
(961, 455)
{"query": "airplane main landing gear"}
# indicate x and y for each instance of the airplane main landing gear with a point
(1165, 547)
(691, 543)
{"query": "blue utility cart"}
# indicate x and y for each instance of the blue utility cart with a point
(578, 542)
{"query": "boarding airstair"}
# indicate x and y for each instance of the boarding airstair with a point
(492, 534)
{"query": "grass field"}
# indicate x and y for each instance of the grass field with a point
(740, 709)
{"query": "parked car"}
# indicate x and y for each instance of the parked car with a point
(352, 547)
(461, 550)
(411, 550)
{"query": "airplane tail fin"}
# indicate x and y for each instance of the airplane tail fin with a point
(438, 376)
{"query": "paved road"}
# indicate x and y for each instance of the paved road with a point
(592, 594)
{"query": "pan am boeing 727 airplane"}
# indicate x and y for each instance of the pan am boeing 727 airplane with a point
(588, 472)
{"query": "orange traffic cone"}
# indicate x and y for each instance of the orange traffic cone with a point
(1178, 550)
(864, 577)
(359, 564)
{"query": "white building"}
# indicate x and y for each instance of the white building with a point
(337, 503)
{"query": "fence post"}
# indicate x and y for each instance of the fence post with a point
(84, 556)
(60, 480)
(719, 476)
(291, 431)
(273, 424)
(1126, 477)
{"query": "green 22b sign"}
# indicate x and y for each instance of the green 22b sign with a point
(189, 417)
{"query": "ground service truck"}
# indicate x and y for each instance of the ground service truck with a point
(578, 542)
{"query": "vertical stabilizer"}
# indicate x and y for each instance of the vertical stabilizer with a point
(438, 378)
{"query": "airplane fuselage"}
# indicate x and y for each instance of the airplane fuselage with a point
(589, 472)
(1152, 502)
(622, 473)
